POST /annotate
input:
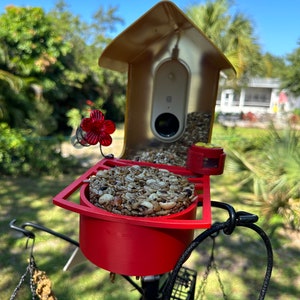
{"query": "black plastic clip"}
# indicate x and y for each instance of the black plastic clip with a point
(235, 218)
(244, 217)
(239, 218)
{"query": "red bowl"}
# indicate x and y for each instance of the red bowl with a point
(128, 247)
(135, 246)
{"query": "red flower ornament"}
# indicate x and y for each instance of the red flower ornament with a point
(97, 129)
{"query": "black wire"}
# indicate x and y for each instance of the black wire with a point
(194, 244)
(214, 229)
(269, 268)
(50, 231)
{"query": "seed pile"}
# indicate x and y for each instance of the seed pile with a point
(197, 130)
(140, 191)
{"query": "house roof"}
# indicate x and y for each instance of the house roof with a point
(264, 82)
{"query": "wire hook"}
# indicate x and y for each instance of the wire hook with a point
(24, 231)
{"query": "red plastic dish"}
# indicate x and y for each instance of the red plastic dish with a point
(135, 246)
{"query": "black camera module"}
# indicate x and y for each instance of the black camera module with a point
(166, 125)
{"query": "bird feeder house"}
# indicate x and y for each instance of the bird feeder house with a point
(173, 75)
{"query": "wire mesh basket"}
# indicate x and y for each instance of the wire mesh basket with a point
(184, 287)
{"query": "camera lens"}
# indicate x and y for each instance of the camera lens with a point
(166, 125)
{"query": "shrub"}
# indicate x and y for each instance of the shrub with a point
(271, 173)
(22, 153)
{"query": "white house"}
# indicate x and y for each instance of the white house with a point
(260, 96)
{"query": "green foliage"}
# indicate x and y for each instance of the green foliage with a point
(14, 82)
(48, 70)
(40, 118)
(58, 53)
(232, 34)
(14, 106)
(270, 170)
(291, 76)
(12, 152)
(31, 42)
(74, 118)
(272, 66)
(23, 153)
(32, 50)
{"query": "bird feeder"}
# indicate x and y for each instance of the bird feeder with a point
(173, 74)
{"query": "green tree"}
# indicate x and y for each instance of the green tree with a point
(88, 40)
(233, 35)
(14, 82)
(272, 66)
(291, 75)
(54, 59)
(49, 66)
(32, 43)
(32, 51)
(113, 84)
(10, 84)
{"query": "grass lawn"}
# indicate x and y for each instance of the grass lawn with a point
(240, 257)
(28, 199)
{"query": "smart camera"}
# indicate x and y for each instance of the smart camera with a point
(170, 98)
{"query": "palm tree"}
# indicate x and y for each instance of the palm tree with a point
(273, 171)
(234, 36)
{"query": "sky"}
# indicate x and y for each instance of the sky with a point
(276, 22)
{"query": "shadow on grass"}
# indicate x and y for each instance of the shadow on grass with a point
(241, 257)
(30, 200)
